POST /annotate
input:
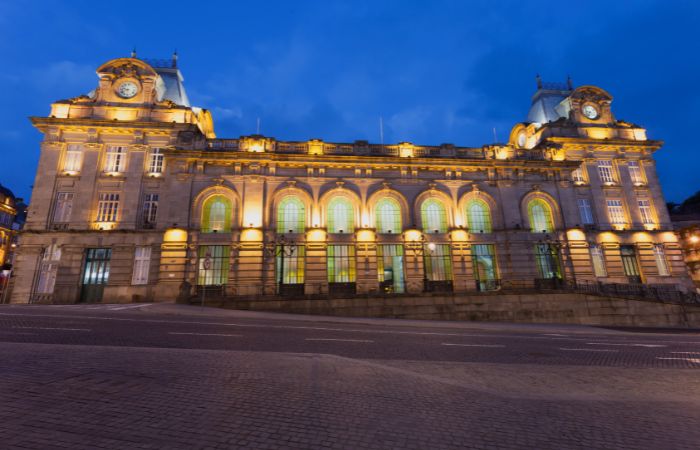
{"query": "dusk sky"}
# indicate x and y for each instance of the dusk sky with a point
(435, 71)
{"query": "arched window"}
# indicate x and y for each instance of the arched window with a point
(387, 215)
(290, 215)
(540, 213)
(340, 217)
(478, 216)
(433, 216)
(216, 215)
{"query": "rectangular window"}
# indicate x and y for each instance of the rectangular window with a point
(577, 176)
(645, 212)
(150, 208)
(390, 268)
(142, 261)
(48, 269)
(108, 207)
(289, 267)
(585, 211)
(628, 253)
(213, 265)
(605, 170)
(74, 158)
(615, 212)
(438, 262)
(635, 172)
(598, 261)
(116, 158)
(547, 259)
(484, 264)
(64, 207)
(155, 161)
(341, 264)
(660, 259)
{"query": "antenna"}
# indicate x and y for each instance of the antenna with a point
(257, 130)
(381, 131)
(133, 52)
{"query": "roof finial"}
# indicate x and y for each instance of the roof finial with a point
(569, 83)
(133, 52)
(539, 81)
(175, 58)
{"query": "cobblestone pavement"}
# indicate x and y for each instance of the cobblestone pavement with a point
(180, 377)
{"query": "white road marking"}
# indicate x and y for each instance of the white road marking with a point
(685, 353)
(339, 340)
(692, 360)
(555, 334)
(119, 308)
(207, 334)
(48, 328)
(473, 345)
(587, 350)
(626, 345)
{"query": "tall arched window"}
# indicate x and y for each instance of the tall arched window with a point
(478, 216)
(540, 213)
(216, 215)
(387, 214)
(290, 215)
(340, 217)
(433, 216)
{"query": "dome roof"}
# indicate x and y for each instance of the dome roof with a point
(545, 101)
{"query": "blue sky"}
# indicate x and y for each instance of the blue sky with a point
(436, 71)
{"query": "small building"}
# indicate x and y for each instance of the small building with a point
(136, 198)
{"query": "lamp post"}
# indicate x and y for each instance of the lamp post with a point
(6, 282)
(552, 261)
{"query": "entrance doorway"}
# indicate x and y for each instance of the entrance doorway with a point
(95, 274)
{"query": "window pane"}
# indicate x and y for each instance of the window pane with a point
(341, 264)
(216, 215)
(290, 216)
(585, 211)
(540, 216)
(434, 216)
(213, 265)
(478, 216)
(483, 262)
(388, 216)
(660, 258)
(340, 216)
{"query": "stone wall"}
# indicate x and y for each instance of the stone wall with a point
(565, 308)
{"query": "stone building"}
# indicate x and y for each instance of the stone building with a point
(136, 199)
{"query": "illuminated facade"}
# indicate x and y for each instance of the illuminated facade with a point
(135, 198)
(8, 212)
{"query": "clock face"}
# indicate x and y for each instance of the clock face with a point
(127, 89)
(590, 111)
(521, 139)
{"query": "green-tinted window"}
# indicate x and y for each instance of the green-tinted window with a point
(213, 265)
(547, 259)
(390, 268)
(341, 263)
(340, 217)
(540, 216)
(484, 262)
(478, 216)
(434, 216)
(387, 215)
(216, 215)
(290, 216)
(438, 262)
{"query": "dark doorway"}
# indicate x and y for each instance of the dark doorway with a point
(95, 274)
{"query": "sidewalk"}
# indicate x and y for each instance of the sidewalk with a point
(213, 312)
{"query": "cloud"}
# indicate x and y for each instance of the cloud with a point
(226, 113)
(65, 76)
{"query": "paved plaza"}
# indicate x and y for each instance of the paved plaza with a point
(174, 376)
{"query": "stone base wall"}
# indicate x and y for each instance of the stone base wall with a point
(564, 308)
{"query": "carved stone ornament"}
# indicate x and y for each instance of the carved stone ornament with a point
(340, 184)
(536, 187)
